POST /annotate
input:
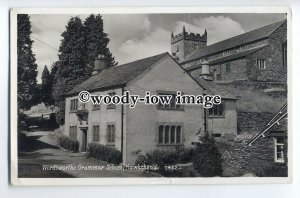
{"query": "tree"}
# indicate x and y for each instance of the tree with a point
(27, 68)
(72, 68)
(46, 87)
(80, 45)
(97, 41)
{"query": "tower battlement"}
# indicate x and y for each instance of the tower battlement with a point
(183, 44)
(189, 36)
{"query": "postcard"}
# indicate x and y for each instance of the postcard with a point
(144, 95)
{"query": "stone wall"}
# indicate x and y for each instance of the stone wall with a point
(275, 70)
(252, 122)
(238, 70)
(240, 159)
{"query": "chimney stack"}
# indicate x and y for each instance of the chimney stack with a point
(206, 75)
(99, 64)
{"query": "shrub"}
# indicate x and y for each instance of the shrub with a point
(274, 171)
(23, 143)
(166, 157)
(207, 161)
(68, 143)
(104, 153)
(162, 158)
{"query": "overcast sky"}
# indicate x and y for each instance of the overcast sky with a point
(135, 36)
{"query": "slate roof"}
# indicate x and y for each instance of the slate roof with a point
(228, 58)
(116, 76)
(211, 88)
(241, 39)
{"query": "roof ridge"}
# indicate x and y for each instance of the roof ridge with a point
(189, 58)
(149, 57)
(248, 32)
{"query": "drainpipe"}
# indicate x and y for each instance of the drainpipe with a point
(205, 118)
(122, 124)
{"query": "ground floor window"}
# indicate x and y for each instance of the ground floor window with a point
(278, 149)
(169, 134)
(110, 134)
(73, 132)
(96, 133)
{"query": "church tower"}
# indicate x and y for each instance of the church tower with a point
(185, 43)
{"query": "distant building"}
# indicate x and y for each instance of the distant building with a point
(257, 55)
(138, 130)
(183, 44)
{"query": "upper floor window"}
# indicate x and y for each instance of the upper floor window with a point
(261, 63)
(216, 111)
(110, 134)
(74, 105)
(227, 67)
(227, 52)
(172, 105)
(278, 149)
(111, 106)
(96, 132)
(243, 47)
(73, 132)
(169, 134)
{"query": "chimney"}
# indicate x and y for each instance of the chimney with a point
(206, 75)
(99, 64)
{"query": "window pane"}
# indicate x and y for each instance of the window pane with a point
(167, 130)
(172, 102)
(161, 134)
(210, 111)
(113, 133)
(215, 107)
(280, 140)
(108, 134)
(220, 109)
(173, 128)
(178, 134)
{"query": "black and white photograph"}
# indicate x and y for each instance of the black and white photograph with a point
(150, 95)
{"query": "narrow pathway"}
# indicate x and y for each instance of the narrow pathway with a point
(31, 163)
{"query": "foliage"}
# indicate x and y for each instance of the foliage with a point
(163, 157)
(68, 143)
(71, 67)
(276, 170)
(27, 68)
(81, 43)
(46, 87)
(97, 41)
(208, 160)
(104, 153)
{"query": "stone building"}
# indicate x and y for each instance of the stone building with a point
(183, 44)
(137, 130)
(257, 55)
